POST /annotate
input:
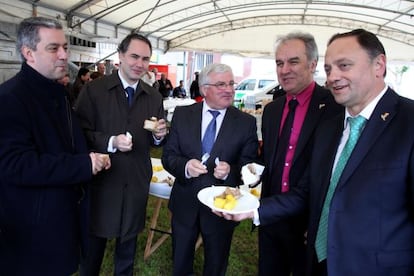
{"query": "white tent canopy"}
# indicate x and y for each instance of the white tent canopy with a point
(245, 27)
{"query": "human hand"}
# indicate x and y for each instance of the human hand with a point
(195, 168)
(99, 162)
(234, 217)
(122, 142)
(221, 170)
(161, 129)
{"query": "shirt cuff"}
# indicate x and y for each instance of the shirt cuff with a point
(110, 145)
(256, 220)
(187, 175)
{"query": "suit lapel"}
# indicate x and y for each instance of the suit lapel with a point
(316, 108)
(274, 134)
(326, 153)
(114, 86)
(225, 133)
(382, 116)
(193, 127)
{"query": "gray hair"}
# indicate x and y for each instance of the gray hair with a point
(308, 40)
(203, 77)
(28, 32)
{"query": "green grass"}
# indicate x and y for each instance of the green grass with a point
(242, 260)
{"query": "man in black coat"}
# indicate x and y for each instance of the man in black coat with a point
(112, 117)
(165, 86)
(195, 89)
(43, 159)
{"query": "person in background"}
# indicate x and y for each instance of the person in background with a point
(195, 89)
(100, 68)
(165, 86)
(235, 145)
(95, 75)
(83, 76)
(277, 92)
(65, 81)
(179, 91)
(112, 111)
(360, 181)
(285, 155)
(44, 159)
(156, 85)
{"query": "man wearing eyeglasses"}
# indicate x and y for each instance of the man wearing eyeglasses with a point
(197, 164)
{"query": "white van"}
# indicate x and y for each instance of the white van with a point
(253, 86)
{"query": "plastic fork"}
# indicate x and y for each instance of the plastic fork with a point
(204, 158)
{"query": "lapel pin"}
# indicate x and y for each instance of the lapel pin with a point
(321, 106)
(384, 116)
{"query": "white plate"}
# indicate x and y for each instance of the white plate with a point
(162, 190)
(246, 203)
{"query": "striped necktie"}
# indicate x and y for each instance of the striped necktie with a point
(321, 243)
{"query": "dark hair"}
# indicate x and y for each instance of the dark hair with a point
(96, 74)
(123, 46)
(367, 40)
(82, 71)
(28, 32)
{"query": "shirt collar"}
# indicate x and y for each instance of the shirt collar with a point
(369, 109)
(125, 83)
(303, 96)
(206, 108)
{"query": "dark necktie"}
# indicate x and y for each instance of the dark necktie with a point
(130, 92)
(356, 125)
(282, 146)
(210, 134)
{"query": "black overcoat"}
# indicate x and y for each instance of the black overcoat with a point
(118, 197)
(40, 173)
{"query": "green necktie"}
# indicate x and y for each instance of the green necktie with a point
(356, 126)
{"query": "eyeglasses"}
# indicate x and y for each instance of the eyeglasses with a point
(222, 85)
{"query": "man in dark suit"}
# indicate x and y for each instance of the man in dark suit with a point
(165, 86)
(44, 160)
(361, 220)
(195, 89)
(112, 110)
(282, 246)
(235, 145)
(179, 91)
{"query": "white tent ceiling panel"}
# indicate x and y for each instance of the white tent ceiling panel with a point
(239, 40)
(223, 25)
